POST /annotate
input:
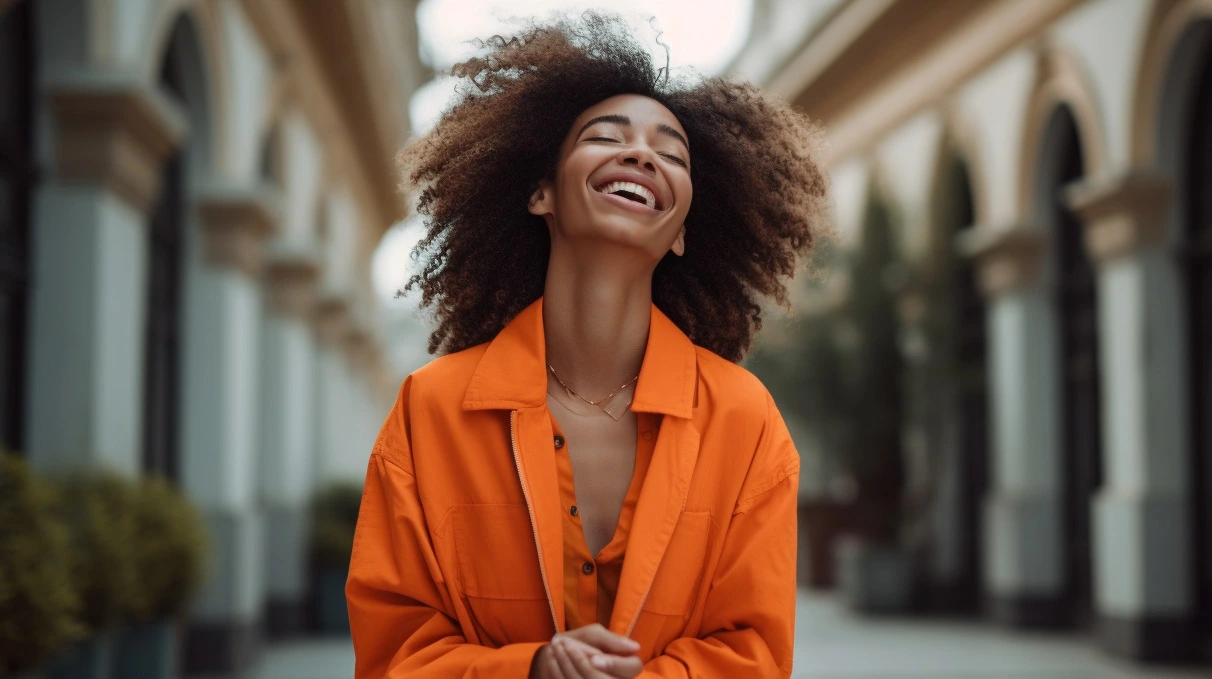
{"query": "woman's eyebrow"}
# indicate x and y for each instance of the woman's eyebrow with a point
(611, 118)
(667, 130)
(624, 120)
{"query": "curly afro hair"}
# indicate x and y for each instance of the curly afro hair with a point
(759, 189)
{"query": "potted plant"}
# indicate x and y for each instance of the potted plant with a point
(334, 518)
(37, 594)
(169, 559)
(98, 508)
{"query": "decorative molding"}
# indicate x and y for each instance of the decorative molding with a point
(331, 319)
(237, 223)
(113, 135)
(863, 74)
(1007, 258)
(290, 280)
(1121, 213)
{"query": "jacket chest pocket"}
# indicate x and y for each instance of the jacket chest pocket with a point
(498, 573)
(679, 578)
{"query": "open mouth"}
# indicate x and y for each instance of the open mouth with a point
(631, 191)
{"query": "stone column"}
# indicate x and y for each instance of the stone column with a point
(219, 419)
(1141, 531)
(1024, 559)
(287, 443)
(88, 306)
(332, 408)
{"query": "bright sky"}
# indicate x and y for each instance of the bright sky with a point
(704, 35)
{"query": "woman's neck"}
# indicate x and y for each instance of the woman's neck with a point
(595, 319)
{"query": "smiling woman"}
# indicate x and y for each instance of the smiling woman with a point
(585, 485)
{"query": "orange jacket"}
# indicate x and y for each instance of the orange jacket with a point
(457, 561)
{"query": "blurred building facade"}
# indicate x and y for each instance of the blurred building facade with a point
(1047, 169)
(191, 194)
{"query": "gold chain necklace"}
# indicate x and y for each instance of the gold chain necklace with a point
(598, 403)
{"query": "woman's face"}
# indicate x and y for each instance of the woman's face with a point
(623, 177)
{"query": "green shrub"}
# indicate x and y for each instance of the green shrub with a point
(38, 601)
(169, 551)
(334, 517)
(99, 509)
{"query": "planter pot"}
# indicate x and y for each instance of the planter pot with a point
(89, 659)
(332, 616)
(147, 651)
(874, 578)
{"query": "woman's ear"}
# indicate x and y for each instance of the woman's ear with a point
(541, 200)
(679, 244)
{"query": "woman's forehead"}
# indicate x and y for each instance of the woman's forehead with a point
(637, 109)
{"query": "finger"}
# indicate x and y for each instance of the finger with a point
(580, 660)
(603, 639)
(567, 669)
(617, 666)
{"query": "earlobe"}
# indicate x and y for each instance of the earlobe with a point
(540, 201)
(679, 243)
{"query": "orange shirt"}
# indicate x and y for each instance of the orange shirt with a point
(590, 583)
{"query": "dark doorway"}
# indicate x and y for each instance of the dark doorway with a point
(1197, 194)
(1077, 310)
(972, 418)
(17, 178)
(166, 248)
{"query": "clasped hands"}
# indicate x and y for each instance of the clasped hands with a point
(589, 652)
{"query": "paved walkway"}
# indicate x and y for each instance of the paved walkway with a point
(833, 644)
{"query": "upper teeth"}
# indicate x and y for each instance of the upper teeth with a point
(631, 187)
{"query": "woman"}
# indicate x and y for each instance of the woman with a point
(585, 484)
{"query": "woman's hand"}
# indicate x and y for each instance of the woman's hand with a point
(590, 652)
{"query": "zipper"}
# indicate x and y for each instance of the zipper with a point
(538, 546)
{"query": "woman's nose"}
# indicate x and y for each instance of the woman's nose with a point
(636, 155)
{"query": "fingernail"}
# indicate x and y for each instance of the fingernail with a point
(598, 661)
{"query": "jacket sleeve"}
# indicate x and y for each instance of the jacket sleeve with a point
(400, 613)
(750, 612)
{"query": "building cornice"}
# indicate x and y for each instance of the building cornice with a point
(323, 46)
(1122, 213)
(237, 224)
(114, 135)
(863, 73)
(1007, 258)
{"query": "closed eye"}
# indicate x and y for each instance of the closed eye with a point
(675, 159)
(602, 139)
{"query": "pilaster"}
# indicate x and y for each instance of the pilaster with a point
(287, 445)
(1141, 516)
(1023, 551)
(219, 421)
(90, 242)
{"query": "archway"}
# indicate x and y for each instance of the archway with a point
(1077, 314)
(16, 185)
(968, 416)
(1195, 195)
(167, 227)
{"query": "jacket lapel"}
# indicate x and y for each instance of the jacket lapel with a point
(662, 499)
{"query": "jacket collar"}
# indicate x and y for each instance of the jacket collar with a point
(512, 373)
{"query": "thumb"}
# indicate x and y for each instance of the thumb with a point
(604, 640)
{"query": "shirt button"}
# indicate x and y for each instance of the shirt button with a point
(573, 510)
(587, 568)
(559, 442)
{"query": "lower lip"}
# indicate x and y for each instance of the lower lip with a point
(627, 204)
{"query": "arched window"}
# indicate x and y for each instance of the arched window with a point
(1077, 311)
(1196, 192)
(16, 182)
(166, 247)
(969, 342)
